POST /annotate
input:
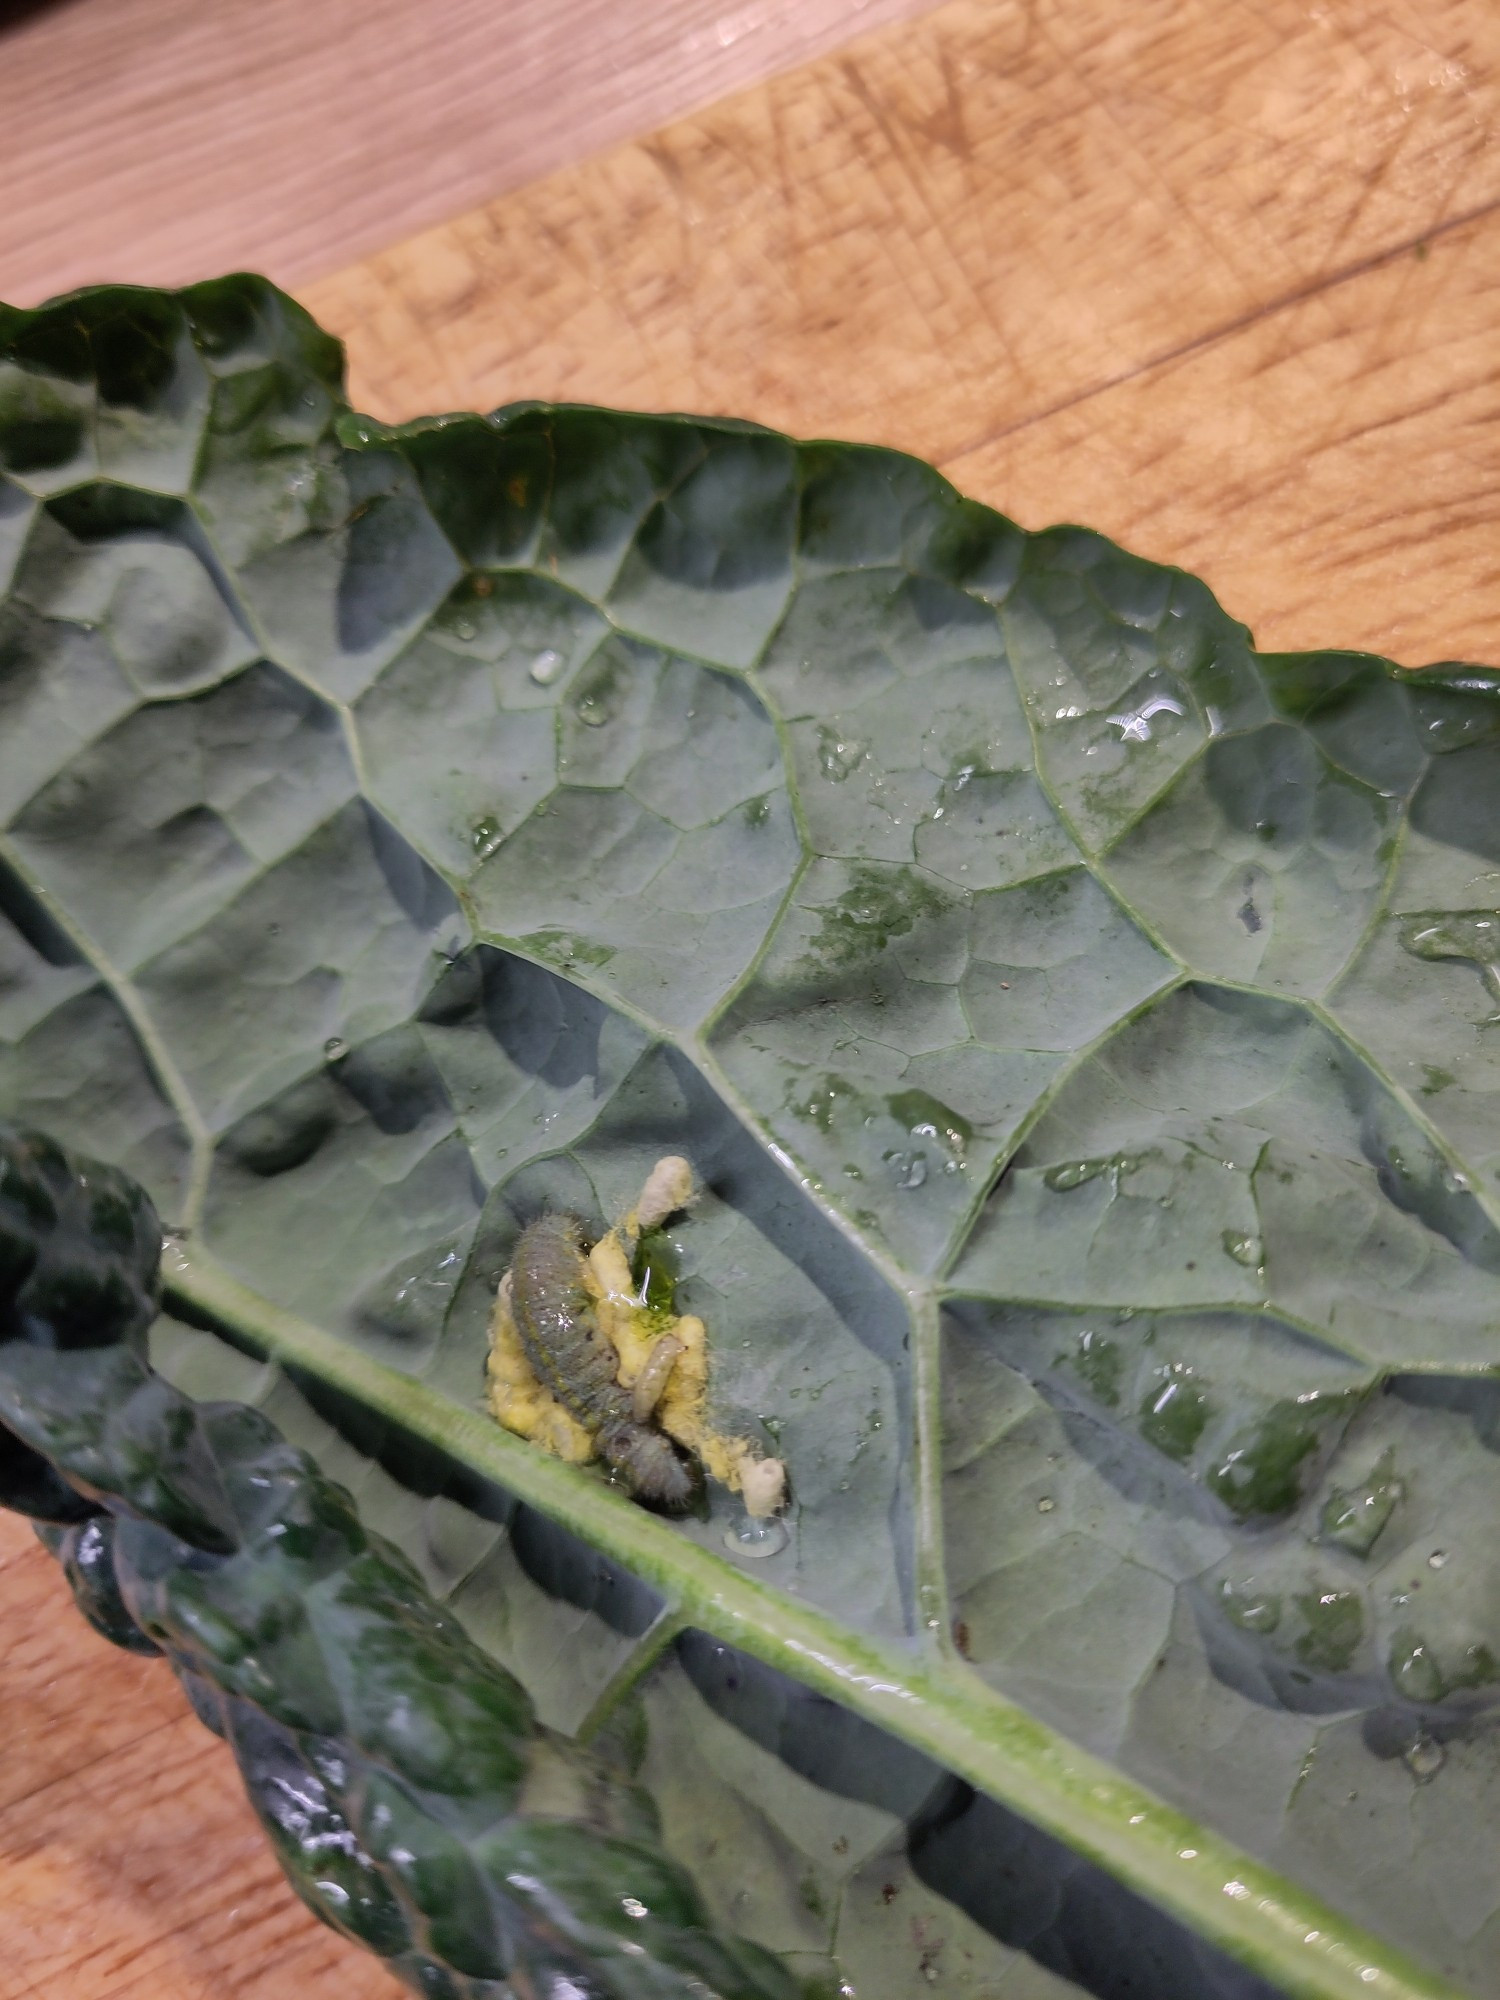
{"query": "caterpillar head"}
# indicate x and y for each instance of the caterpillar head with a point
(651, 1466)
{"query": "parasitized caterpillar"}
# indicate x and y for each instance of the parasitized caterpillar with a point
(584, 1366)
(549, 1303)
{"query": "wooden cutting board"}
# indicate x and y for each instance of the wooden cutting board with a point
(1220, 279)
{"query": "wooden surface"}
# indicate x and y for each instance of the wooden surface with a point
(1220, 278)
(159, 141)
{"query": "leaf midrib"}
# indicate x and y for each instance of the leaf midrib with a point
(937, 1705)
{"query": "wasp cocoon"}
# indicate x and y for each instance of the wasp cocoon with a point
(669, 1187)
(648, 1386)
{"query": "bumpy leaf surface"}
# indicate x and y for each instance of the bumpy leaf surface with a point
(1087, 1030)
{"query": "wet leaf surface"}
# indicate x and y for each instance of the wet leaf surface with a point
(1082, 1025)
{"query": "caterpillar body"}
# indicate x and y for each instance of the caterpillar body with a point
(571, 1357)
(586, 1362)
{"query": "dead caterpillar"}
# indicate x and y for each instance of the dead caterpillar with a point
(583, 1366)
(571, 1358)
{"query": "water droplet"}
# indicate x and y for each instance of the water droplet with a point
(1467, 934)
(838, 755)
(1045, 1505)
(1353, 1519)
(335, 1048)
(1437, 1559)
(1424, 1757)
(634, 1907)
(1135, 726)
(463, 629)
(1247, 1250)
(602, 694)
(1252, 1609)
(909, 1169)
(1414, 1672)
(485, 836)
(546, 667)
(756, 1539)
(928, 1117)
(1070, 1174)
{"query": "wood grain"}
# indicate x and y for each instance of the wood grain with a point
(1334, 471)
(160, 141)
(1101, 264)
